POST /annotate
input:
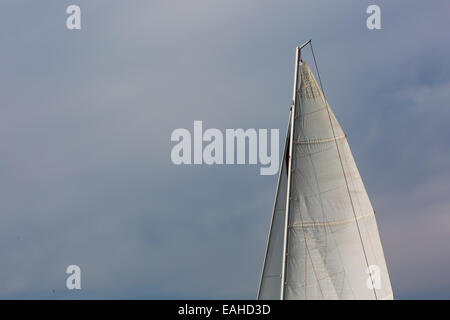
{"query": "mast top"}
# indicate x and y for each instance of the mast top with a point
(304, 45)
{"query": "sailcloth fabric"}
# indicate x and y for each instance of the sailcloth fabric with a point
(333, 249)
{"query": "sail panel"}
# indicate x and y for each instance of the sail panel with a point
(332, 234)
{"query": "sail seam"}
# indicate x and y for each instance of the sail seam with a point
(330, 223)
(309, 113)
(318, 141)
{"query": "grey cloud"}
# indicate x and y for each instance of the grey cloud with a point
(85, 124)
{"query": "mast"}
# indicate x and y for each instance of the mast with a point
(289, 178)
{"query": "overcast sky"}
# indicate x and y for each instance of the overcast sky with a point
(86, 118)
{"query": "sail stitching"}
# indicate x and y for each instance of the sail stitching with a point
(330, 223)
(311, 112)
(318, 141)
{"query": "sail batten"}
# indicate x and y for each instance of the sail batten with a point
(332, 245)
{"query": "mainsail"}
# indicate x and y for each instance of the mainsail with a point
(323, 240)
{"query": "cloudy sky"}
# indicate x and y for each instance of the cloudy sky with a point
(86, 118)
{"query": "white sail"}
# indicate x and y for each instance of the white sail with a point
(332, 239)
